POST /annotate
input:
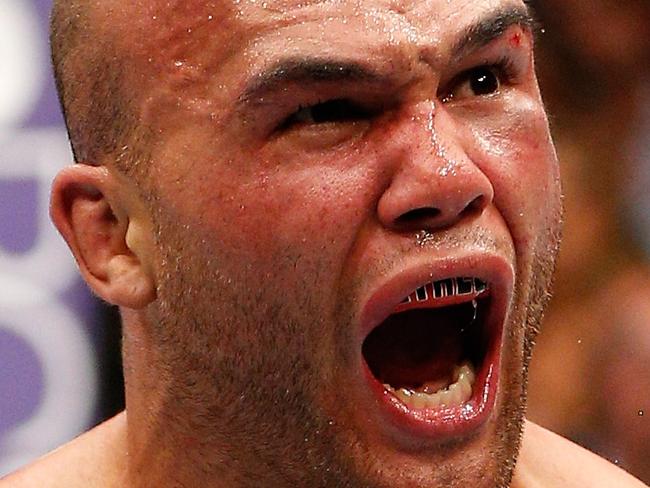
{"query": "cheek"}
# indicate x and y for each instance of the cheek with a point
(274, 214)
(516, 152)
(315, 204)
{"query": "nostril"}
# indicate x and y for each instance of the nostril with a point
(475, 207)
(418, 215)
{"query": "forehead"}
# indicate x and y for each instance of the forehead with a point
(197, 57)
(182, 29)
(261, 12)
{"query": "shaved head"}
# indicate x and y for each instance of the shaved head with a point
(99, 104)
(120, 68)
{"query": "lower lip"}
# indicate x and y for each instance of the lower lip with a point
(444, 423)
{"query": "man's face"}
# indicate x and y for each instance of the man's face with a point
(316, 164)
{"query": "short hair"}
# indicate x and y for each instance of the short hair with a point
(99, 114)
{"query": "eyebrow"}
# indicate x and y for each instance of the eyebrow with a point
(332, 70)
(492, 27)
(300, 69)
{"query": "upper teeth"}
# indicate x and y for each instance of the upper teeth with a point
(448, 287)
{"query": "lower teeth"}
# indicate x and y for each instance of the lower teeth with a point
(453, 395)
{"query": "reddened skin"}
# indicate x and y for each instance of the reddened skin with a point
(108, 231)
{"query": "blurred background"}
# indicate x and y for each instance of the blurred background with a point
(590, 379)
(59, 361)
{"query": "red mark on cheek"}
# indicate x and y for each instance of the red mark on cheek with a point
(515, 39)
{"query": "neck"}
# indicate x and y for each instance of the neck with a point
(159, 428)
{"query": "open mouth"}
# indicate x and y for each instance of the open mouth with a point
(432, 352)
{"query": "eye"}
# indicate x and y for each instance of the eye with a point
(483, 81)
(332, 111)
(477, 82)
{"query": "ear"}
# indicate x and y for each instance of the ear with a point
(108, 235)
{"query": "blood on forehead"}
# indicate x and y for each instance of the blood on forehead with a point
(516, 39)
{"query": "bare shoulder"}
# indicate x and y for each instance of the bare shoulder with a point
(547, 460)
(92, 459)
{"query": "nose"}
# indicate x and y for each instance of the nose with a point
(434, 184)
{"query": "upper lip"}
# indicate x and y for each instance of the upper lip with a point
(493, 269)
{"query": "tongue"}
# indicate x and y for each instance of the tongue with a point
(418, 349)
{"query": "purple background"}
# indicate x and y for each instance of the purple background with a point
(48, 388)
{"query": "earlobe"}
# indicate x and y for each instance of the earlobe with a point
(105, 234)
